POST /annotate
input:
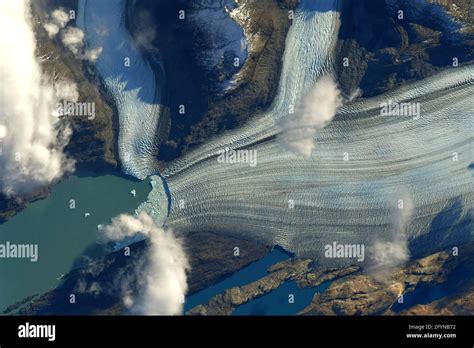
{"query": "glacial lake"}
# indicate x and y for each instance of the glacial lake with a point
(248, 274)
(428, 293)
(277, 301)
(65, 237)
(274, 303)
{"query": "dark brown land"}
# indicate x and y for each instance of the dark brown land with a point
(177, 42)
(358, 292)
(97, 289)
(385, 52)
(93, 142)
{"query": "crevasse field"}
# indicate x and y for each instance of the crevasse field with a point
(354, 201)
(132, 86)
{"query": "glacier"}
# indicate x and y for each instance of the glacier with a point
(133, 88)
(304, 60)
(302, 204)
(425, 160)
(335, 200)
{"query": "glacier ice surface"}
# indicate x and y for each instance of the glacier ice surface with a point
(133, 88)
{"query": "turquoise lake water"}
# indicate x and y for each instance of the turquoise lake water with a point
(65, 237)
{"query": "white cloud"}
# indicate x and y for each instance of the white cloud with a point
(318, 108)
(3, 131)
(71, 37)
(164, 277)
(33, 141)
(51, 29)
(66, 90)
(92, 55)
(124, 226)
(394, 252)
(59, 19)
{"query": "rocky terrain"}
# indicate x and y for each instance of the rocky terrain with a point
(356, 292)
(463, 305)
(97, 289)
(10, 206)
(225, 303)
(93, 143)
(378, 51)
(294, 269)
(382, 51)
(178, 42)
(378, 294)
(352, 291)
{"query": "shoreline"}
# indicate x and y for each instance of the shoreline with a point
(208, 114)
